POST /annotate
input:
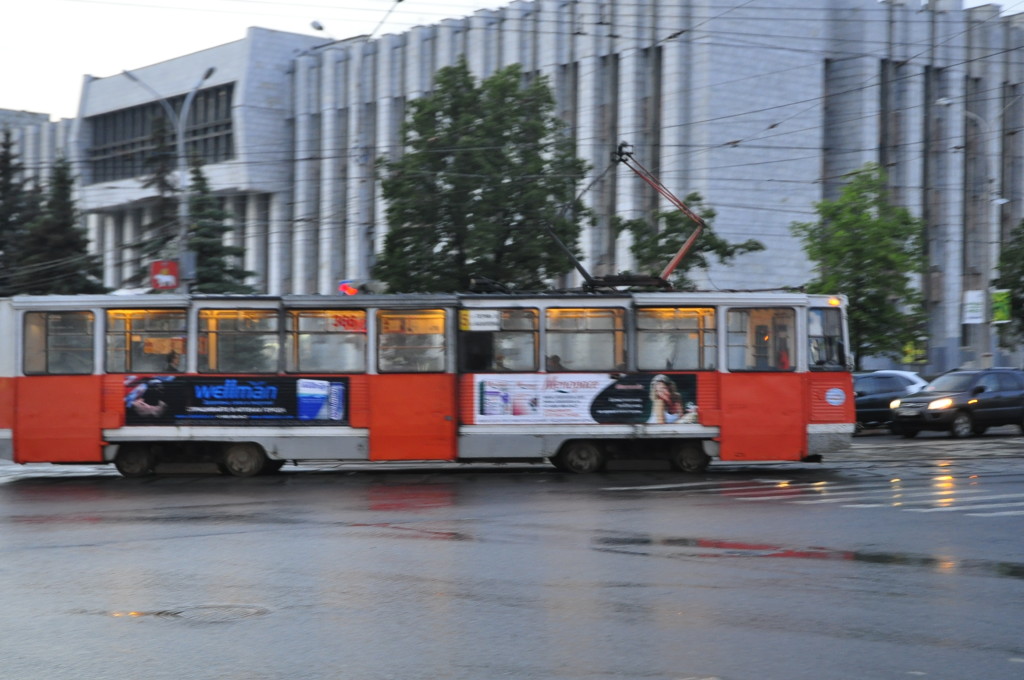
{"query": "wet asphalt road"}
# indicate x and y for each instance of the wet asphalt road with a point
(900, 559)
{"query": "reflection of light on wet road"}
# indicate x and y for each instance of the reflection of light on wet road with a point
(942, 492)
(647, 545)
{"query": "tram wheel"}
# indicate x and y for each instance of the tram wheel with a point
(689, 457)
(135, 460)
(242, 460)
(580, 458)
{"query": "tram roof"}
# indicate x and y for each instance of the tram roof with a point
(400, 300)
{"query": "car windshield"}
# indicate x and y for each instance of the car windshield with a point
(951, 382)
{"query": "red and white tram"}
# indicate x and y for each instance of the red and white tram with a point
(576, 379)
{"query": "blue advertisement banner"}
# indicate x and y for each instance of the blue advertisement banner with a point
(203, 400)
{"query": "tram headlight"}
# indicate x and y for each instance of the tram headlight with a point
(940, 404)
(895, 403)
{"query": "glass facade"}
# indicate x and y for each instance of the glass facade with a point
(126, 143)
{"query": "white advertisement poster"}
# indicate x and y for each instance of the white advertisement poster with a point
(974, 306)
(584, 398)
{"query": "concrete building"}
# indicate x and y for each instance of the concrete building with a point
(761, 107)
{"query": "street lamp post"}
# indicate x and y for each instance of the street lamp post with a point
(179, 121)
(990, 264)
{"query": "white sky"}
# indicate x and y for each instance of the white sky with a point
(47, 46)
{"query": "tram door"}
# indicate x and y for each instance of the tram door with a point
(412, 399)
(762, 417)
(57, 419)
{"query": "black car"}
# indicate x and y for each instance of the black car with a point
(963, 403)
(873, 392)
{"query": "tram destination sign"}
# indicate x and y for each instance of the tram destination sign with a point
(203, 400)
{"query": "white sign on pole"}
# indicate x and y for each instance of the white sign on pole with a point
(974, 306)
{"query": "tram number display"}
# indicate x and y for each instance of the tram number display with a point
(585, 398)
(198, 400)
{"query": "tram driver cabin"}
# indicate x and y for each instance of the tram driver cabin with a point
(571, 379)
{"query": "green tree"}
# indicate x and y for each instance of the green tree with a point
(1011, 277)
(159, 235)
(19, 206)
(53, 256)
(868, 249)
(486, 167)
(216, 268)
(654, 245)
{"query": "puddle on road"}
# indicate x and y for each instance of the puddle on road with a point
(724, 548)
(207, 613)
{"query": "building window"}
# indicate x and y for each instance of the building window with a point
(125, 142)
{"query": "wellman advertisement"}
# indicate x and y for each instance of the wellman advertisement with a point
(585, 398)
(199, 400)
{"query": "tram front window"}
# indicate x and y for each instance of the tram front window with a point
(825, 339)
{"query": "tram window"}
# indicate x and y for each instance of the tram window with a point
(58, 343)
(676, 338)
(760, 339)
(585, 340)
(238, 341)
(411, 341)
(825, 339)
(144, 340)
(498, 340)
(325, 341)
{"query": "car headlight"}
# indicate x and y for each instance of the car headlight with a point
(940, 404)
(895, 403)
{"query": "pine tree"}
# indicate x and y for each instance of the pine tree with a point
(159, 235)
(19, 206)
(486, 167)
(216, 271)
(54, 256)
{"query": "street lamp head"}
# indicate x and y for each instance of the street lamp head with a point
(209, 72)
(943, 101)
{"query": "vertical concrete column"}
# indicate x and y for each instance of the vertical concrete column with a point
(111, 277)
(131, 263)
(93, 232)
(277, 245)
(360, 166)
(332, 148)
(634, 87)
(255, 259)
(304, 227)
